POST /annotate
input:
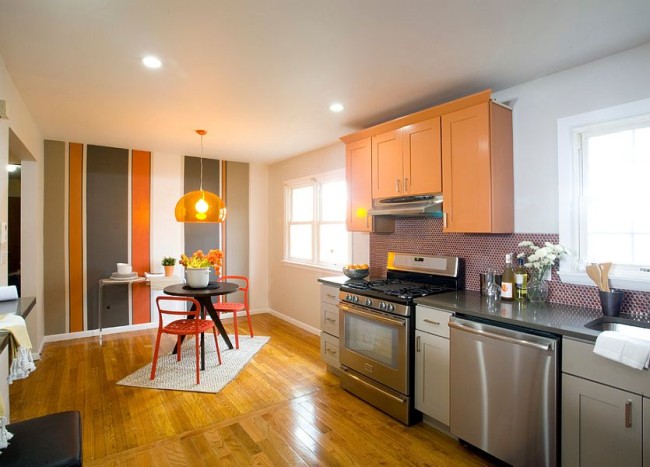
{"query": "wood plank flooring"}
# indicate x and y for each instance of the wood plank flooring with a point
(284, 408)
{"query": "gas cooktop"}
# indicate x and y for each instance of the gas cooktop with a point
(411, 276)
(395, 288)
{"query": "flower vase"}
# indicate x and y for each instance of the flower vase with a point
(537, 290)
(197, 278)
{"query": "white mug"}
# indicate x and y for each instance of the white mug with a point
(124, 268)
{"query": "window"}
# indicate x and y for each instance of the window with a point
(605, 193)
(315, 221)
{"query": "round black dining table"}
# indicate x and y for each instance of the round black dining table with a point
(204, 297)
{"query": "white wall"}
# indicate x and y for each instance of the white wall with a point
(293, 290)
(21, 123)
(258, 238)
(537, 105)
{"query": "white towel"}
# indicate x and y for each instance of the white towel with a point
(624, 349)
(21, 363)
(609, 344)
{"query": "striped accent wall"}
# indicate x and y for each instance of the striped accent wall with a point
(75, 237)
(141, 233)
(99, 204)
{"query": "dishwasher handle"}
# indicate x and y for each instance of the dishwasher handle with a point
(500, 337)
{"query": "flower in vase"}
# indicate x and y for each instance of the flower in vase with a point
(540, 260)
(214, 259)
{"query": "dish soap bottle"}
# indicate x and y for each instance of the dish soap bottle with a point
(521, 280)
(508, 280)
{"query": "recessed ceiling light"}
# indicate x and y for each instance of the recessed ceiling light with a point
(151, 62)
(336, 107)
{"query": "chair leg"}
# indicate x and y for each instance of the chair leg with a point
(178, 348)
(234, 322)
(250, 326)
(196, 355)
(155, 357)
(216, 343)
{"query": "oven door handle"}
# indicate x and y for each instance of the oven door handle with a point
(372, 316)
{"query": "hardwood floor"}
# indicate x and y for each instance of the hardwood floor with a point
(284, 408)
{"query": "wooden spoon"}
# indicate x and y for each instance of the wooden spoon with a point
(593, 272)
(604, 275)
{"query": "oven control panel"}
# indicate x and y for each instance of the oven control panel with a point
(375, 303)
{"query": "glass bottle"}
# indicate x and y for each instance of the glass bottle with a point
(508, 280)
(521, 280)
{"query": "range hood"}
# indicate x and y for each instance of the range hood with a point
(429, 205)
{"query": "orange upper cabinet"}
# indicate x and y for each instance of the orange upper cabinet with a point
(406, 161)
(358, 159)
(477, 173)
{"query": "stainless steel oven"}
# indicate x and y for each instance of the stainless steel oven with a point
(377, 331)
(376, 345)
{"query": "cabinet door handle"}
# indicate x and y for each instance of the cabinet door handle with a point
(437, 323)
(417, 343)
(628, 414)
(334, 352)
(330, 295)
(397, 185)
(406, 185)
(444, 220)
(331, 320)
(367, 218)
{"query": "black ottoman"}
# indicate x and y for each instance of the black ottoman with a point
(52, 440)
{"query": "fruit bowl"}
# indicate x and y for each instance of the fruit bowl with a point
(358, 273)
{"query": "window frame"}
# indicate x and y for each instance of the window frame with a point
(570, 138)
(316, 181)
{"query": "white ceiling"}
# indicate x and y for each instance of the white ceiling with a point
(259, 75)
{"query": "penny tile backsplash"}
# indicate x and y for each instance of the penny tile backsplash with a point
(481, 251)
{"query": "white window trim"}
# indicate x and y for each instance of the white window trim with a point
(568, 165)
(320, 178)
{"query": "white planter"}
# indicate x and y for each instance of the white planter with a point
(197, 278)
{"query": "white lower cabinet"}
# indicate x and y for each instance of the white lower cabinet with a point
(601, 425)
(605, 410)
(432, 363)
(329, 320)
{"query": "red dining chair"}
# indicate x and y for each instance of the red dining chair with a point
(192, 324)
(225, 306)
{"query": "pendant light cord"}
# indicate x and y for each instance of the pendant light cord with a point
(201, 188)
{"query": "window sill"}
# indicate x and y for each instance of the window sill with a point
(616, 282)
(312, 267)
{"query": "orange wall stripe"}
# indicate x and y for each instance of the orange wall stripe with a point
(75, 236)
(141, 232)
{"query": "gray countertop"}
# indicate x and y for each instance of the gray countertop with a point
(21, 307)
(547, 317)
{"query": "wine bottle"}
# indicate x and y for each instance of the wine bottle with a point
(508, 280)
(521, 280)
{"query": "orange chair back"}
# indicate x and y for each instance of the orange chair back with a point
(242, 283)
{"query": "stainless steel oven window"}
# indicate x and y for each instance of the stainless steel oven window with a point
(373, 339)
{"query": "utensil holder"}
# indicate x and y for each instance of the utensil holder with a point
(611, 302)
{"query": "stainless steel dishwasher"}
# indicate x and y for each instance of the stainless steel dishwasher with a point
(504, 391)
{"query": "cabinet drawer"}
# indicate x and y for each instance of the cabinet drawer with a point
(329, 319)
(579, 359)
(329, 349)
(329, 294)
(432, 320)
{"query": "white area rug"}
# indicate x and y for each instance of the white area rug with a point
(181, 376)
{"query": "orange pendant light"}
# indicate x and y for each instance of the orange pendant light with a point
(200, 205)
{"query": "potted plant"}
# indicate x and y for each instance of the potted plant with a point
(197, 267)
(168, 263)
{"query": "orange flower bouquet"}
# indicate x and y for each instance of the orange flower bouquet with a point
(214, 259)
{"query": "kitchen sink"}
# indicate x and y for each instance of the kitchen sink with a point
(624, 325)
